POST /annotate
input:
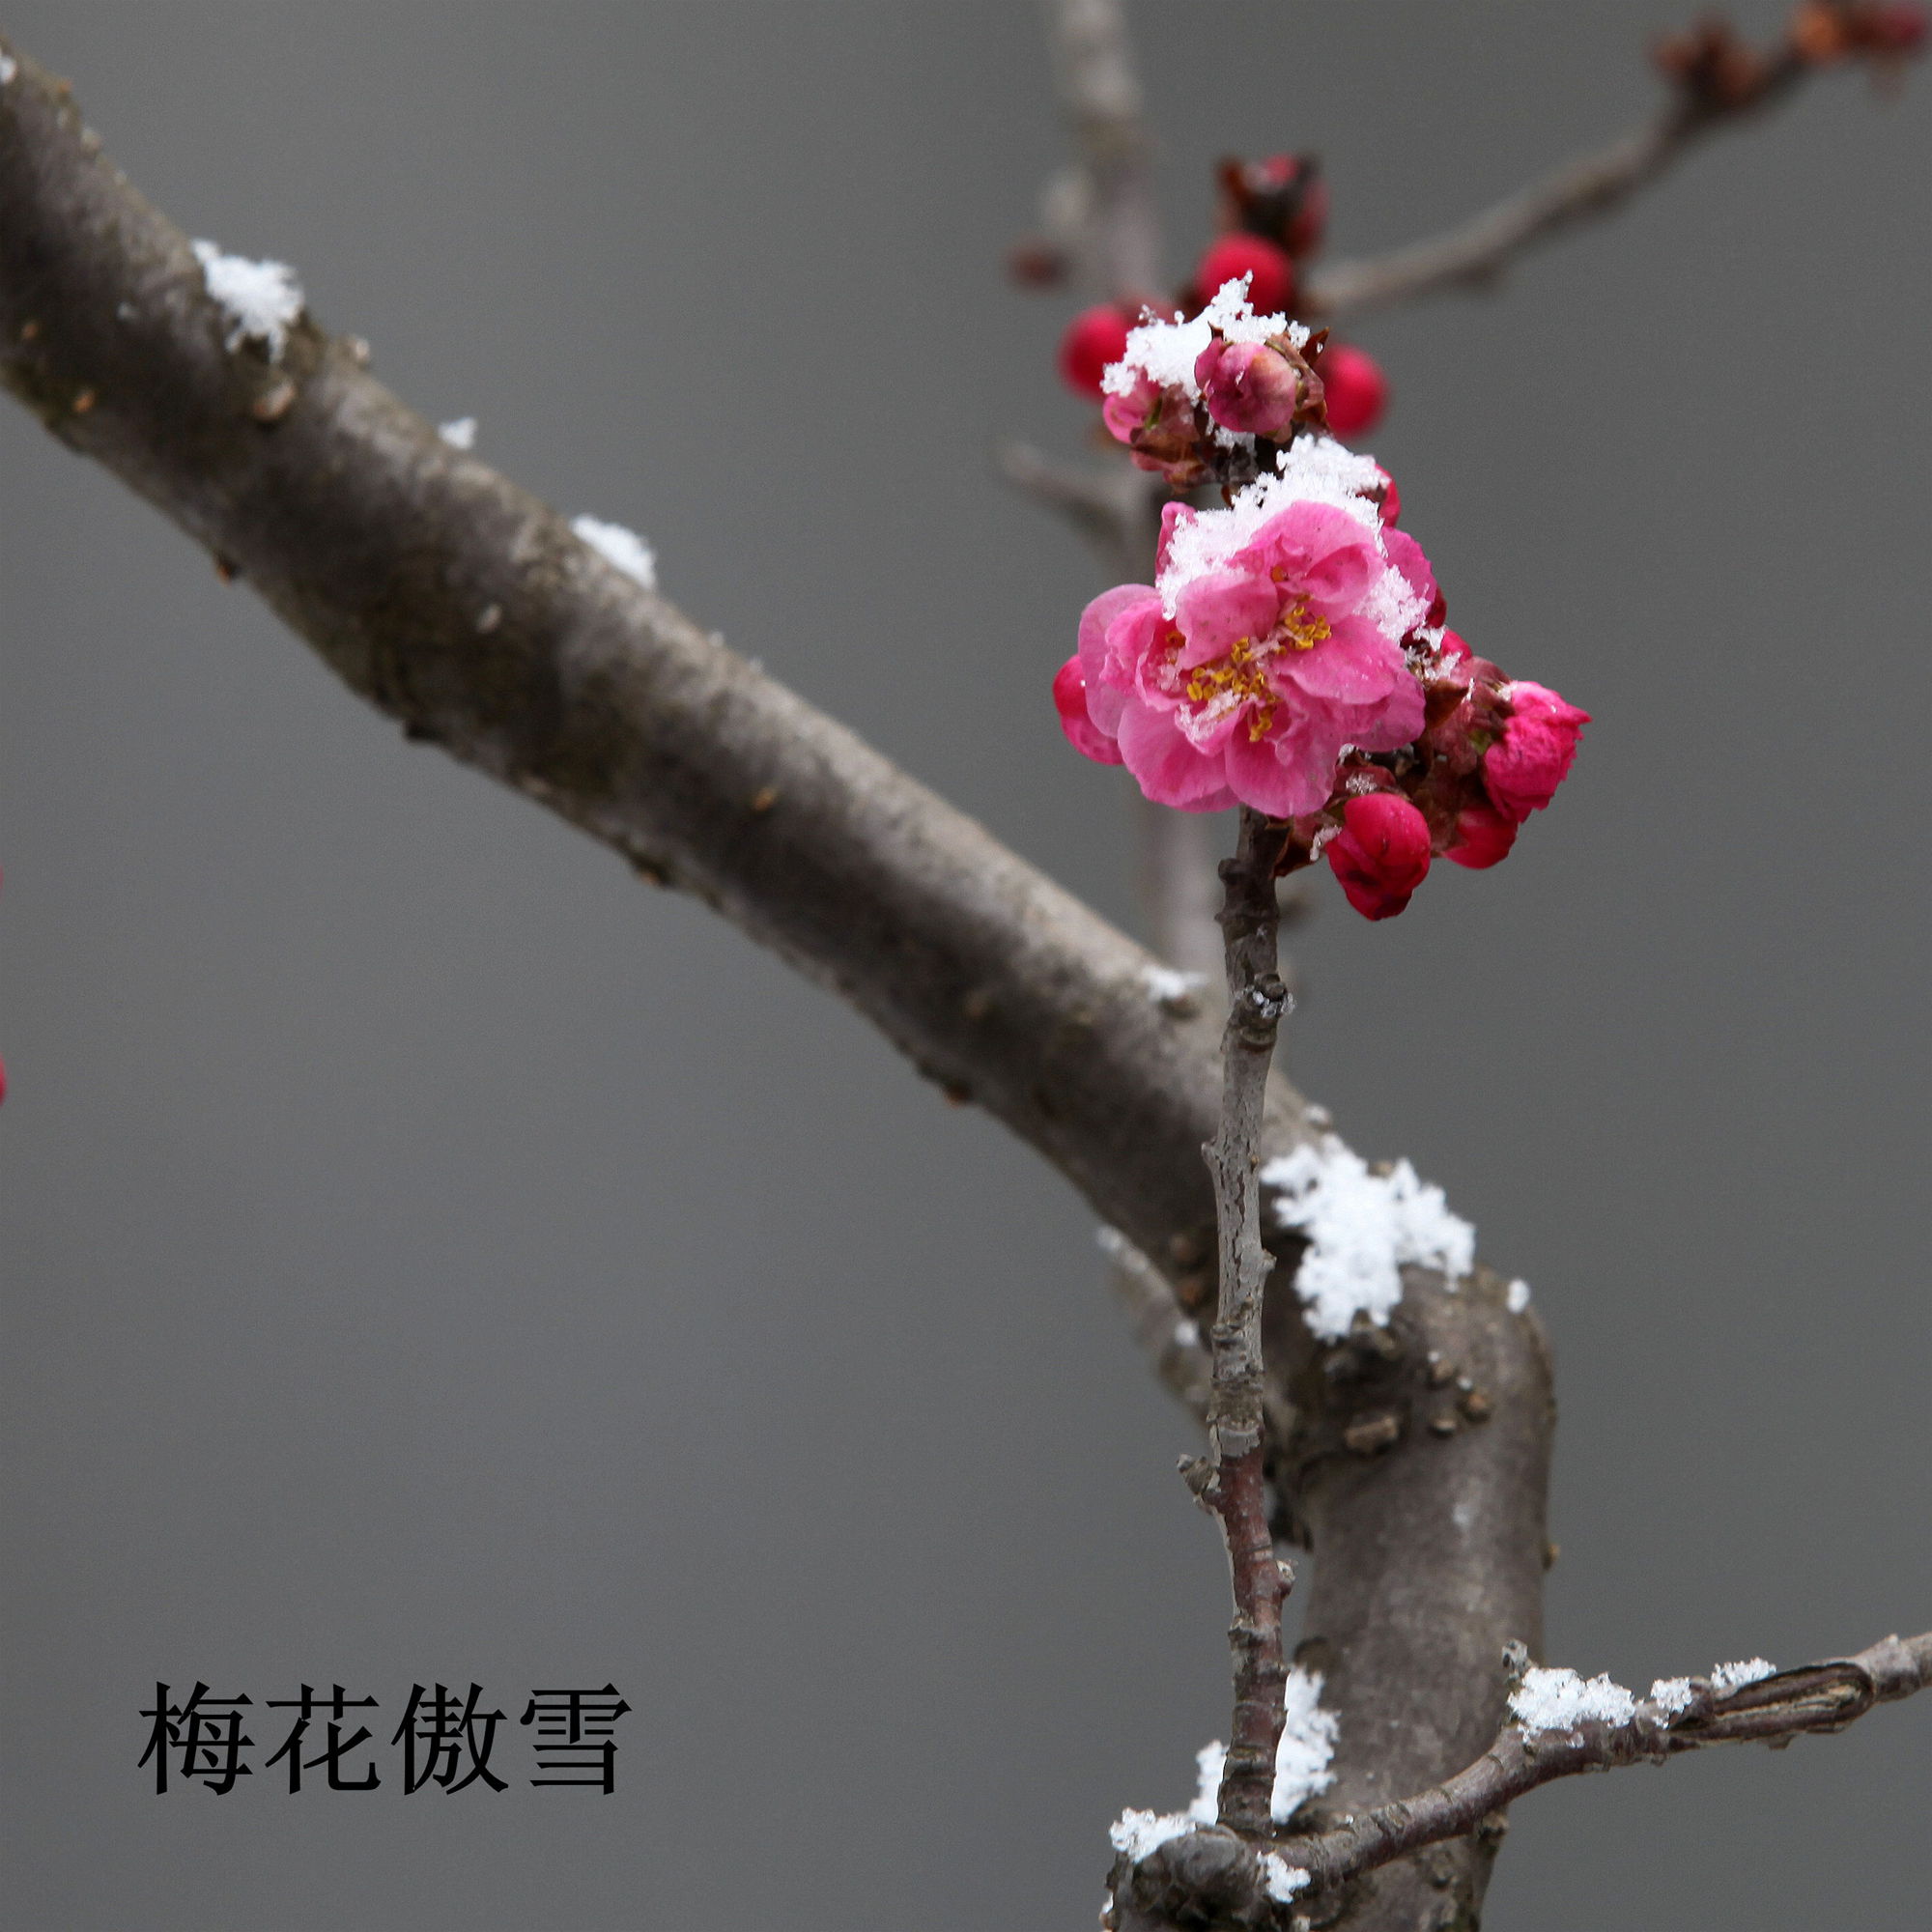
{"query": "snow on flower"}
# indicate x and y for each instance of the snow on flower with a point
(626, 549)
(260, 300)
(1559, 1699)
(1731, 1677)
(1362, 1228)
(1307, 1747)
(1272, 642)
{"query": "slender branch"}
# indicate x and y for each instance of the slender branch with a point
(1108, 507)
(1104, 215)
(1815, 1698)
(1234, 1488)
(1594, 186)
(1168, 1336)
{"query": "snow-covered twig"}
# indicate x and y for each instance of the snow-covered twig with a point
(1567, 1726)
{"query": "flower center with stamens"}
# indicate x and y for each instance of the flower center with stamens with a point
(1238, 676)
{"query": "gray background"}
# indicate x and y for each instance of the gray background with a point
(430, 1254)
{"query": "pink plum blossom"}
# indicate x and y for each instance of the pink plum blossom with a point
(1069, 700)
(1277, 656)
(1521, 772)
(1381, 854)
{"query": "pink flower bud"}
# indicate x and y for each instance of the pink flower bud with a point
(1355, 386)
(1484, 836)
(1538, 743)
(1271, 283)
(1069, 700)
(1094, 338)
(1249, 386)
(1381, 853)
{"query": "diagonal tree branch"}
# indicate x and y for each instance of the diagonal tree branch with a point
(466, 610)
(1211, 1874)
(1772, 1709)
(1595, 185)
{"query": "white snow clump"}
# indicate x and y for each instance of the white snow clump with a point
(1139, 1833)
(1165, 352)
(1730, 1677)
(1166, 988)
(1361, 1228)
(626, 549)
(1307, 1746)
(460, 433)
(1517, 1297)
(260, 300)
(8, 67)
(1672, 1696)
(1282, 1879)
(1558, 1700)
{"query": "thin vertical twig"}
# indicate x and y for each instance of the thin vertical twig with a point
(1234, 1489)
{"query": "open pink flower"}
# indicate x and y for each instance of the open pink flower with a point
(1521, 772)
(1278, 655)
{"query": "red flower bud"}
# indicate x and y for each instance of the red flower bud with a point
(1484, 836)
(1381, 854)
(1355, 386)
(1271, 284)
(1094, 338)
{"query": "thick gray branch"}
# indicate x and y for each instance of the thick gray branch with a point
(466, 610)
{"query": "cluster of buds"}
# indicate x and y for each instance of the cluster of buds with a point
(1271, 215)
(1292, 657)
(1492, 750)
(1716, 70)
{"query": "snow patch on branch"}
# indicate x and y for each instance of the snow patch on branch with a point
(1559, 1700)
(1362, 1229)
(460, 433)
(1672, 1696)
(1730, 1677)
(614, 544)
(8, 67)
(262, 300)
(1281, 1879)
(1168, 988)
(1140, 1832)
(1307, 1747)
(1518, 1299)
